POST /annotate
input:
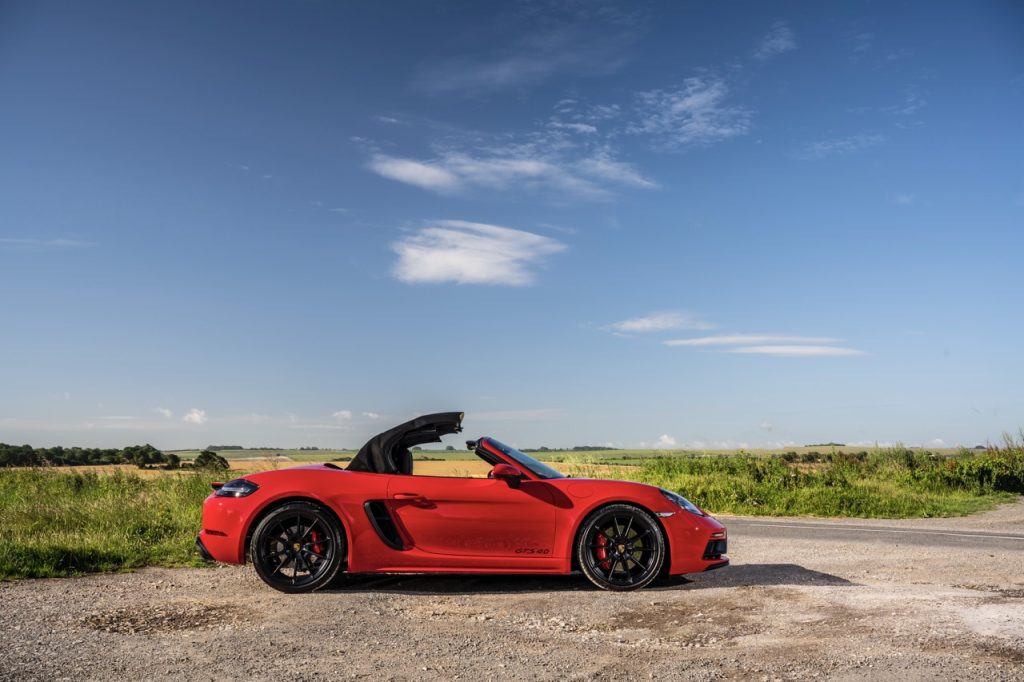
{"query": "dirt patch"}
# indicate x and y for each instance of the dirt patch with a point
(132, 620)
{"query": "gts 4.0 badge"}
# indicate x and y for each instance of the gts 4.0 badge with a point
(532, 550)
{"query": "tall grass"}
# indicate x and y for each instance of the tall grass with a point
(885, 483)
(57, 523)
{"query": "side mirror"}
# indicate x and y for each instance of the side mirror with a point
(507, 473)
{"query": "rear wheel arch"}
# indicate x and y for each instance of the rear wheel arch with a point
(275, 504)
(666, 566)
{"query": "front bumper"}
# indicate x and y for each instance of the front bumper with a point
(697, 543)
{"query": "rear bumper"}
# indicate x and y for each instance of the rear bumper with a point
(201, 548)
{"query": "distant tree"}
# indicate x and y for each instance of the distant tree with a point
(173, 461)
(208, 459)
(450, 448)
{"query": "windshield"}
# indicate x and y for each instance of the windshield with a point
(540, 469)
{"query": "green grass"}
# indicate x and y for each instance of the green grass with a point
(56, 523)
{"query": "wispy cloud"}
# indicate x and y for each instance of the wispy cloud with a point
(534, 43)
(779, 39)
(911, 104)
(603, 166)
(512, 168)
(164, 412)
(696, 113)
(342, 415)
(195, 416)
(905, 199)
(45, 243)
(840, 146)
(471, 253)
(798, 351)
(740, 339)
(371, 415)
(656, 322)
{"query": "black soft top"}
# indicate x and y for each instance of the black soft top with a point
(388, 452)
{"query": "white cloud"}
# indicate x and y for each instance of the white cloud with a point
(342, 414)
(470, 253)
(371, 415)
(665, 441)
(164, 412)
(740, 339)
(767, 425)
(195, 416)
(937, 443)
(779, 39)
(697, 113)
(840, 146)
(904, 199)
(798, 351)
(416, 173)
(387, 119)
(656, 322)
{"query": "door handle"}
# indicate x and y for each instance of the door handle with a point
(408, 496)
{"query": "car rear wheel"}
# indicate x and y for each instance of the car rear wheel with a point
(297, 547)
(620, 547)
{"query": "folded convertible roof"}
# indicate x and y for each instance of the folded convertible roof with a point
(383, 453)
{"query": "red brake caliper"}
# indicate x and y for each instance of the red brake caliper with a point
(315, 537)
(601, 553)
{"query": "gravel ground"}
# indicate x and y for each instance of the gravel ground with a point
(785, 610)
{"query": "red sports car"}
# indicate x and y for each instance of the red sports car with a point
(301, 526)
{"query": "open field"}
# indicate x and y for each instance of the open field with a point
(66, 520)
(816, 604)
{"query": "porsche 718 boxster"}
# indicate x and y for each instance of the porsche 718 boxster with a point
(301, 526)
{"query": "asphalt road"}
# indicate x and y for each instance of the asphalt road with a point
(843, 531)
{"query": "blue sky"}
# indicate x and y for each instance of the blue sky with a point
(640, 224)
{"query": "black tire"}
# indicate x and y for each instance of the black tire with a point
(298, 547)
(620, 547)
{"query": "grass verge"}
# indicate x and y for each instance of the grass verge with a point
(55, 524)
(886, 483)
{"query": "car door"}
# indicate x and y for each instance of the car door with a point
(478, 517)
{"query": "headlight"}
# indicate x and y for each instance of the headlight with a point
(237, 488)
(681, 501)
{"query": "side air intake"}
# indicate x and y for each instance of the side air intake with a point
(382, 522)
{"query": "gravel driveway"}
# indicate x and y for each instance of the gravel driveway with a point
(786, 609)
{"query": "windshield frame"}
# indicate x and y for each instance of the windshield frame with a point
(537, 468)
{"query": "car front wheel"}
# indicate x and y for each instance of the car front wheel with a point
(620, 547)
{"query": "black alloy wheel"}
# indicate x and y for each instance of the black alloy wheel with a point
(620, 547)
(298, 547)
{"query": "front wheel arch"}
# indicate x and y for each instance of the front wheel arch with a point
(666, 566)
(275, 504)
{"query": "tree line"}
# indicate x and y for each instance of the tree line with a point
(143, 456)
